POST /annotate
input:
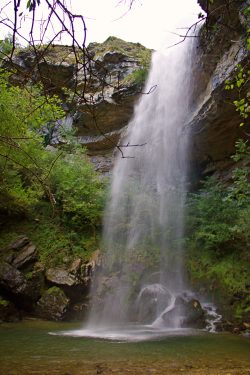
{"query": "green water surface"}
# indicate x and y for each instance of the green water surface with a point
(28, 348)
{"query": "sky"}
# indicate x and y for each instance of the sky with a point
(149, 22)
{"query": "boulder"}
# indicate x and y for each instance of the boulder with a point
(60, 276)
(26, 256)
(22, 289)
(12, 280)
(74, 281)
(35, 284)
(152, 299)
(53, 305)
(190, 310)
(194, 315)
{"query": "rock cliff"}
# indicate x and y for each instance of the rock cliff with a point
(98, 88)
(215, 122)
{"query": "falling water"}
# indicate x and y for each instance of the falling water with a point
(143, 267)
(142, 277)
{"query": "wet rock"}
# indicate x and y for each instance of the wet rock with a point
(94, 263)
(224, 325)
(152, 299)
(53, 305)
(28, 255)
(194, 315)
(189, 310)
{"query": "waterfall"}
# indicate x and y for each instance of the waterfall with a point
(142, 276)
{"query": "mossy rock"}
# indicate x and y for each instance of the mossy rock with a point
(53, 305)
(113, 44)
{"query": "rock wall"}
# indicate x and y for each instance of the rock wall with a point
(215, 123)
(98, 88)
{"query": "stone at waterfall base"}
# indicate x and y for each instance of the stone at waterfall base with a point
(53, 305)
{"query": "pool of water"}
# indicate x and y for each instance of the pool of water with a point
(47, 348)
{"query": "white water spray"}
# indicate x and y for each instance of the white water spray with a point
(142, 279)
(143, 225)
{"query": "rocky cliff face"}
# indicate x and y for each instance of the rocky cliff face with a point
(215, 122)
(98, 89)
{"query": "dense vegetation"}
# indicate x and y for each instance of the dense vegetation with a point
(218, 226)
(52, 195)
(219, 240)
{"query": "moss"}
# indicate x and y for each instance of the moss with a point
(53, 290)
(3, 302)
(137, 77)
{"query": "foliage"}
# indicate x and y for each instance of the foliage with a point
(22, 157)
(3, 302)
(137, 77)
(57, 243)
(6, 45)
(218, 233)
(31, 175)
(78, 190)
(240, 82)
(210, 216)
(247, 15)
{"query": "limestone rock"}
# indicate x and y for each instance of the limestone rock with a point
(53, 304)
